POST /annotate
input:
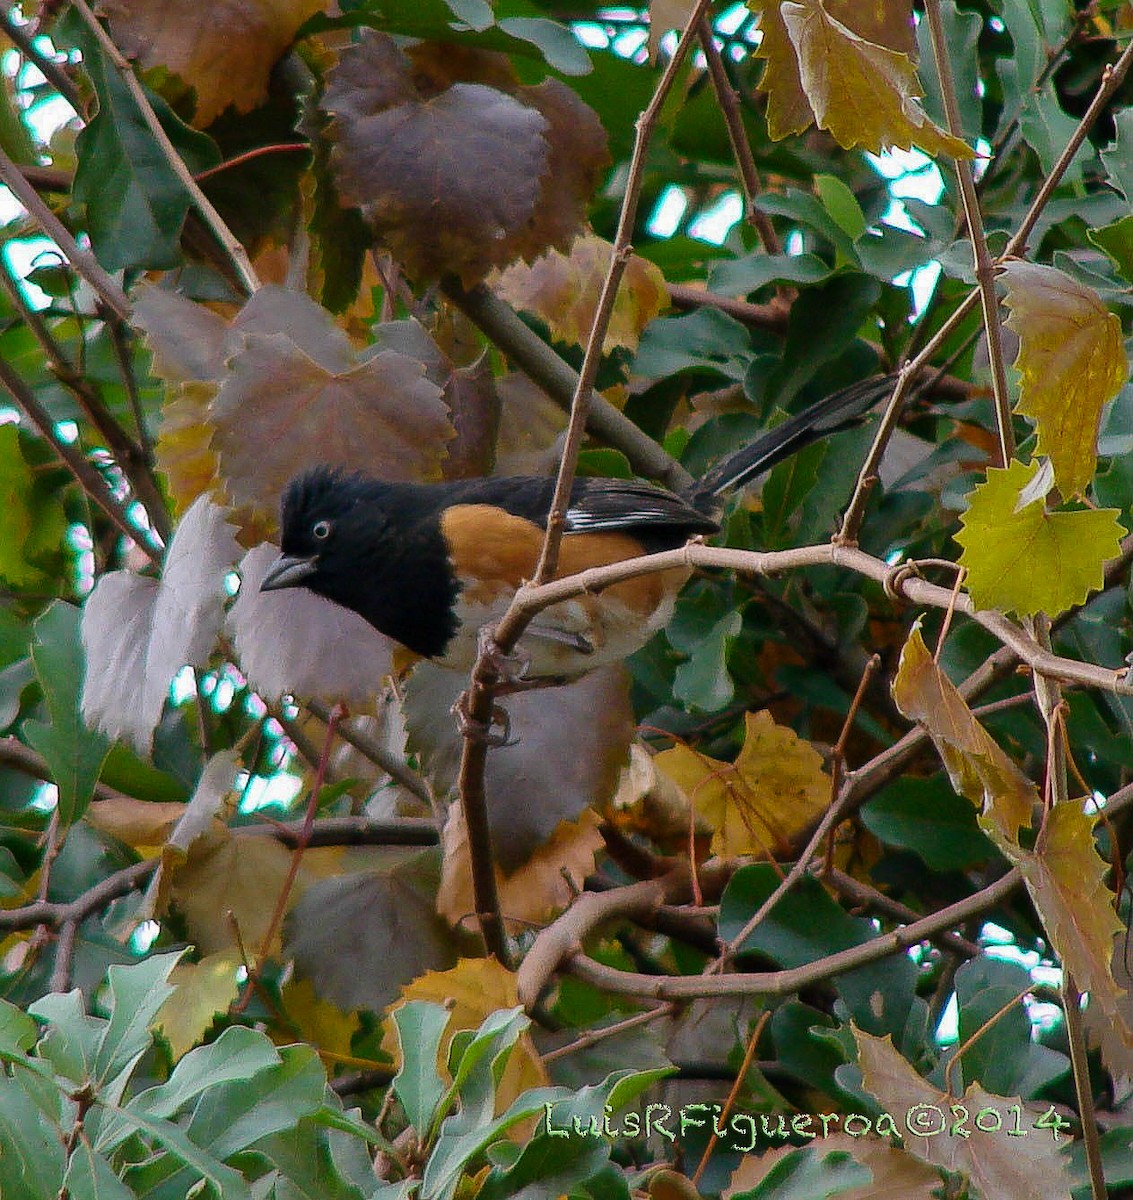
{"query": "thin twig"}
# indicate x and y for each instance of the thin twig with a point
(231, 244)
(88, 478)
(56, 915)
(396, 768)
(133, 459)
(559, 380)
(737, 135)
(84, 262)
(52, 71)
(985, 268)
(1080, 1064)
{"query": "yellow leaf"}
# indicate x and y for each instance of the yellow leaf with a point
(865, 93)
(474, 988)
(1071, 361)
(563, 289)
(545, 884)
(774, 790)
(1065, 875)
(978, 768)
(204, 989)
(1020, 557)
(143, 825)
(321, 1023)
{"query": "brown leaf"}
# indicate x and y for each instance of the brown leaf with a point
(187, 340)
(292, 642)
(572, 743)
(563, 290)
(362, 936)
(143, 825)
(822, 66)
(577, 162)
(447, 181)
(977, 766)
(1066, 877)
(1000, 1167)
(543, 886)
(224, 50)
(757, 805)
(278, 410)
(455, 165)
(531, 424)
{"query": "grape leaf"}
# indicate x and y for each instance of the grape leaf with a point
(977, 766)
(865, 93)
(224, 50)
(294, 642)
(1028, 560)
(1001, 1167)
(139, 632)
(563, 290)
(757, 805)
(1071, 361)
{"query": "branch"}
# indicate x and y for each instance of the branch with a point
(56, 915)
(902, 582)
(478, 701)
(500, 324)
(132, 458)
(783, 983)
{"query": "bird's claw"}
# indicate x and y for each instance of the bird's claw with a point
(495, 732)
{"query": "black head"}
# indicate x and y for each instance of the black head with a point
(372, 547)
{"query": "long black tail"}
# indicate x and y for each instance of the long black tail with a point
(838, 411)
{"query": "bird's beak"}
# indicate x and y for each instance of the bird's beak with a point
(289, 570)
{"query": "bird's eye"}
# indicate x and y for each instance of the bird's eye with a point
(321, 530)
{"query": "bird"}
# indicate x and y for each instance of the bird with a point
(430, 565)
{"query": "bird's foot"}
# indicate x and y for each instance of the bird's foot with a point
(495, 732)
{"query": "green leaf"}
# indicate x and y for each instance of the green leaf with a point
(136, 993)
(841, 204)
(18, 1032)
(173, 1140)
(72, 1039)
(90, 1177)
(32, 1160)
(547, 1168)
(135, 203)
(703, 681)
(1116, 240)
(418, 1085)
(811, 1174)
(929, 818)
(1118, 157)
(238, 1054)
(806, 925)
(32, 521)
(74, 754)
